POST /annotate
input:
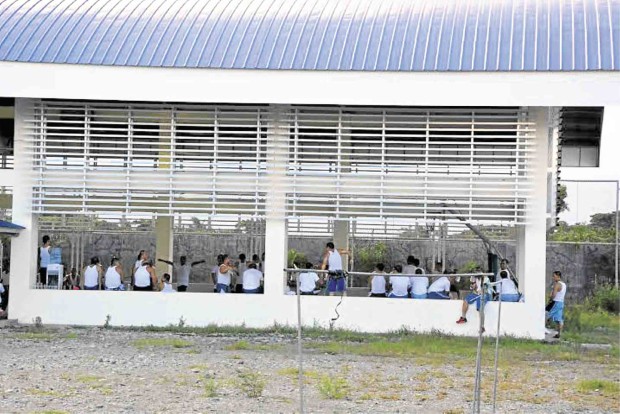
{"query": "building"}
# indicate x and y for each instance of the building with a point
(366, 114)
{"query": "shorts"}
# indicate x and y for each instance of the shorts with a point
(420, 296)
(182, 288)
(514, 297)
(143, 288)
(91, 287)
(556, 314)
(377, 295)
(391, 295)
(472, 297)
(257, 290)
(437, 295)
(336, 284)
(222, 287)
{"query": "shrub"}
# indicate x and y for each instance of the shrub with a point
(252, 384)
(605, 298)
(333, 388)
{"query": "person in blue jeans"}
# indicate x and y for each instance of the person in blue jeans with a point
(508, 289)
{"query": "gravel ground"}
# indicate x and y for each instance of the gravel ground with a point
(80, 370)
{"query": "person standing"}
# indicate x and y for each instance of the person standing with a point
(242, 266)
(224, 275)
(44, 259)
(410, 267)
(183, 271)
(332, 261)
(556, 314)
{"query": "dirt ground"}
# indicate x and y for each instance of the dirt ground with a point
(82, 370)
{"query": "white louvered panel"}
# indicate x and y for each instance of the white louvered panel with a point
(415, 163)
(402, 166)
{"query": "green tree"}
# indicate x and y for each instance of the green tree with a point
(561, 198)
(367, 257)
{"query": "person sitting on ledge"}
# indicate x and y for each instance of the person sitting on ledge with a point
(114, 276)
(508, 288)
(92, 274)
(439, 289)
(399, 284)
(419, 285)
(145, 278)
(480, 285)
(377, 283)
(308, 281)
(167, 286)
(252, 279)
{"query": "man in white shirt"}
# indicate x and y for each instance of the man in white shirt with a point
(252, 279)
(376, 283)
(182, 272)
(410, 267)
(332, 261)
(242, 266)
(439, 289)
(400, 284)
(508, 289)
(503, 266)
(419, 285)
(167, 286)
(308, 281)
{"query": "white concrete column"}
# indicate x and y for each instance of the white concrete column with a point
(163, 243)
(341, 239)
(276, 235)
(24, 246)
(532, 237)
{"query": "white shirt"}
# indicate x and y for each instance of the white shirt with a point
(223, 278)
(377, 284)
(241, 268)
(137, 264)
(307, 281)
(112, 278)
(419, 284)
(486, 282)
(508, 287)
(409, 270)
(142, 277)
(400, 284)
(44, 255)
(183, 274)
(334, 261)
(91, 276)
(559, 297)
(440, 285)
(167, 288)
(252, 278)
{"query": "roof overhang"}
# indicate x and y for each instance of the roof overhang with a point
(70, 81)
(9, 228)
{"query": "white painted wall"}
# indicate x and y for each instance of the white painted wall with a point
(39, 80)
(585, 199)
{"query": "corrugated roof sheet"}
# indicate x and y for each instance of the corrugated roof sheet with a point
(369, 35)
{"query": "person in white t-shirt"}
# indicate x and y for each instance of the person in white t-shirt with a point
(332, 261)
(182, 271)
(308, 281)
(252, 279)
(113, 278)
(439, 289)
(166, 285)
(410, 267)
(508, 289)
(2, 307)
(419, 285)
(481, 290)
(242, 266)
(376, 283)
(92, 274)
(399, 284)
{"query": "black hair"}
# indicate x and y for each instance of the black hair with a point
(166, 277)
(140, 254)
(557, 272)
(242, 257)
(380, 267)
(330, 245)
(411, 260)
(255, 257)
(220, 259)
(46, 238)
(503, 274)
(183, 257)
(94, 260)
(398, 268)
(418, 271)
(308, 265)
(252, 265)
(416, 262)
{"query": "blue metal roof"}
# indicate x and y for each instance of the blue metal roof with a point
(6, 227)
(368, 35)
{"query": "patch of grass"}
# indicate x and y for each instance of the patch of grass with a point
(238, 346)
(605, 387)
(252, 383)
(333, 387)
(46, 393)
(51, 412)
(200, 367)
(294, 373)
(71, 335)
(35, 336)
(210, 388)
(161, 342)
(88, 379)
(192, 351)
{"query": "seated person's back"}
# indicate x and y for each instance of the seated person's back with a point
(308, 280)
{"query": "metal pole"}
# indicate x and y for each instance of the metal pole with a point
(499, 318)
(617, 201)
(476, 404)
(299, 348)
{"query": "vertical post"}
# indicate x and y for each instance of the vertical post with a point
(300, 360)
(24, 246)
(341, 238)
(532, 236)
(617, 207)
(276, 241)
(164, 224)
